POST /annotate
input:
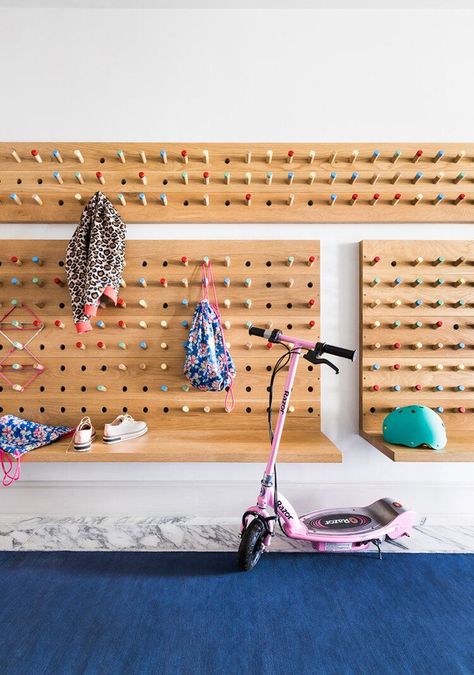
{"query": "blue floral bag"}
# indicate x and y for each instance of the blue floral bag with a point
(208, 364)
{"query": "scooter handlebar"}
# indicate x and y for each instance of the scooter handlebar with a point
(339, 351)
(259, 332)
(320, 347)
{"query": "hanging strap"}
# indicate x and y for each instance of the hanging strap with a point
(208, 281)
(11, 470)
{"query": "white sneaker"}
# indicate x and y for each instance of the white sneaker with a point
(123, 428)
(84, 435)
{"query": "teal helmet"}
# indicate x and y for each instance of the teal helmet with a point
(415, 425)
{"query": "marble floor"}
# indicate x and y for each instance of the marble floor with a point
(107, 533)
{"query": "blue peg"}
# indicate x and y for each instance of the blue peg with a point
(164, 387)
(15, 282)
(36, 260)
(184, 302)
(439, 409)
(375, 366)
(418, 176)
(164, 199)
(185, 324)
(15, 198)
(354, 177)
(143, 345)
(57, 156)
(332, 177)
(439, 387)
(332, 199)
(418, 303)
(397, 281)
(460, 345)
(439, 155)
(291, 176)
(396, 387)
(460, 387)
(438, 199)
(164, 156)
(375, 156)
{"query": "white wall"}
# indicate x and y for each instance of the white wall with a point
(244, 76)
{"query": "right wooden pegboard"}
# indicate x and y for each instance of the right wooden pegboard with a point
(416, 331)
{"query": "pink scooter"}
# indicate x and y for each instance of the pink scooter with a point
(330, 530)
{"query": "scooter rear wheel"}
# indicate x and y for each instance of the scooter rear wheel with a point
(251, 545)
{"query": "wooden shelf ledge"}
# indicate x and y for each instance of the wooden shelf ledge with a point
(460, 448)
(186, 445)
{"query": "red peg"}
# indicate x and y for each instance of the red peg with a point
(353, 199)
(462, 409)
(438, 324)
(417, 156)
(375, 198)
(163, 282)
(15, 259)
(101, 345)
(396, 366)
(311, 302)
(291, 154)
(375, 260)
(269, 345)
(121, 302)
(376, 387)
(184, 155)
(459, 198)
(311, 324)
(311, 260)
(418, 387)
(58, 281)
(121, 324)
(205, 175)
(58, 323)
(100, 177)
(248, 199)
(37, 323)
(80, 345)
(184, 260)
(396, 345)
(396, 198)
(34, 153)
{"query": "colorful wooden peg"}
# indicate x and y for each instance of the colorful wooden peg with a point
(332, 200)
(57, 156)
(417, 303)
(396, 156)
(143, 324)
(417, 324)
(121, 199)
(142, 198)
(291, 200)
(142, 177)
(248, 199)
(164, 324)
(227, 282)
(311, 324)
(417, 177)
(37, 281)
(460, 303)
(36, 156)
(396, 178)
(311, 177)
(37, 199)
(59, 324)
(122, 345)
(353, 156)
(57, 176)
(142, 282)
(121, 303)
(290, 155)
(417, 199)
(332, 177)
(143, 303)
(78, 156)
(459, 261)
(101, 345)
(142, 156)
(439, 155)
(226, 177)
(397, 281)
(80, 345)
(205, 156)
(438, 199)
(311, 303)
(417, 261)
(376, 259)
(374, 178)
(184, 261)
(248, 178)
(459, 177)
(459, 156)
(185, 302)
(16, 156)
(269, 178)
(227, 261)
(248, 157)
(248, 303)
(122, 324)
(375, 282)
(417, 156)
(164, 199)
(163, 282)
(164, 156)
(121, 156)
(375, 324)
(205, 200)
(100, 177)
(438, 345)
(375, 156)
(184, 156)
(143, 345)
(227, 303)
(353, 177)
(459, 282)
(205, 177)
(459, 199)
(14, 197)
(353, 199)
(290, 177)
(15, 281)
(396, 303)
(438, 261)
(269, 156)
(101, 387)
(439, 176)
(396, 198)
(418, 281)
(16, 260)
(311, 156)
(375, 199)
(78, 198)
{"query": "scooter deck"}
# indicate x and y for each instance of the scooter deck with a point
(383, 517)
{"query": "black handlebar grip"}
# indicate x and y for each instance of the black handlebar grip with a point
(260, 332)
(340, 351)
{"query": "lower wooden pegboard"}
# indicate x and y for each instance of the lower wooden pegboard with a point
(416, 340)
(134, 362)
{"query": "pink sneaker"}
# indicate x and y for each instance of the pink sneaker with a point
(84, 435)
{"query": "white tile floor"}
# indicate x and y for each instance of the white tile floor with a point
(106, 533)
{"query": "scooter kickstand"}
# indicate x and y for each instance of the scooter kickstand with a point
(378, 543)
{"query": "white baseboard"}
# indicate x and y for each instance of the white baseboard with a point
(222, 499)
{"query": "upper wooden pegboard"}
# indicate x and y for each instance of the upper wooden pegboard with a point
(236, 182)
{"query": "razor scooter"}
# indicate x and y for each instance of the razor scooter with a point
(331, 530)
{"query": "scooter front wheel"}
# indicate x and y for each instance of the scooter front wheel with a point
(251, 545)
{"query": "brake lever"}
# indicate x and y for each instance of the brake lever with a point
(325, 362)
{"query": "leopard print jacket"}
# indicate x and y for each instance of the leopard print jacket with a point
(95, 259)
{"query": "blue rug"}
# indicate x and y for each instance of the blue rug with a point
(194, 614)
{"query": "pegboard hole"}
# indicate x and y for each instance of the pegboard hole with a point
(165, 410)
(63, 410)
(289, 305)
(124, 181)
(165, 305)
(165, 263)
(102, 160)
(40, 181)
(165, 181)
(393, 263)
(310, 410)
(83, 409)
(248, 263)
(18, 181)
(289, 326)
(248, 410)
(124, 410)
(185, 203)
(144, 263)
(268, 202)
(145, 388)
(63, 388)
(41, 347)
(61, 305)
(227, 202)
(1, 409)
(145, 410)
(226, 160)
(248, 368)
(248, 388)
(62, 347)
(372, 410)
(60, 202)
(104, 409)
(268, 368)
(61, 263)
(456, 326)
(42, 409)
(268, 284)
(83, 368)
(268, 263)
(310, 368)
(310, 389)
(62, 368)
(124, 389)
(103, 368)
(310, 284)
(21, 409)
(83, 388)
(310, 202)
(268, 305)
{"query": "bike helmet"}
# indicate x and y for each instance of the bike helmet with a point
(415, 425)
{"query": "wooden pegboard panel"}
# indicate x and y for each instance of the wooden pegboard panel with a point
(416, 339)
(303, 182)
(283, 290)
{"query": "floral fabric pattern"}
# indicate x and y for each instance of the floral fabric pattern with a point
(208, 364)
(18, 436)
